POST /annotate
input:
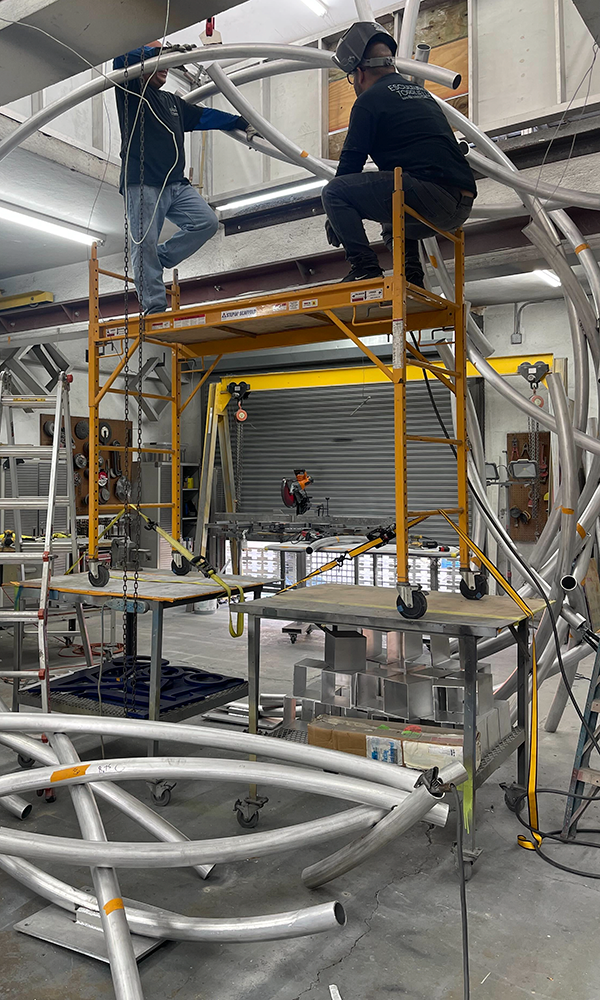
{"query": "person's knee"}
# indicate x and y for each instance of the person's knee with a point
(206, 222)
(331, 192)
(211, 225)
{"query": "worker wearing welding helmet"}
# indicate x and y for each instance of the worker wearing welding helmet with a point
(398, 124)
(153, 182)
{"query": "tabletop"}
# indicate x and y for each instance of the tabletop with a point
(375, 607)
(154, 585)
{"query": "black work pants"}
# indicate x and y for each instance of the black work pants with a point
(353, 197)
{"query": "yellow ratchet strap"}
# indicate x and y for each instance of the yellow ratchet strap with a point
(101, 535)
(333, 563)
(234, 631)
(533, 739)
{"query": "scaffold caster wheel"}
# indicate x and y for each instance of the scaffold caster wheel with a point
(182, 568)
(419, 605)
(25, 762)
(512, 794)
(478, 591)
(48, 794)
(248, 811)
(102, 577)
(162, 798)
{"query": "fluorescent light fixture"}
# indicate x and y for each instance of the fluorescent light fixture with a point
(549, 277)
(44, 225)
(317, 7)
(260, 199)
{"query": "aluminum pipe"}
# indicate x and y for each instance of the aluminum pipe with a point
(566, 444)
(316, 58)
(158, 923)
(364, 10)
(119, 946)
(219, 739)
(113, 794)
(183, 768)
(439, 265)
(249, 74)
(535, 189)
(406, 42)
(16, 806)
(296, 155)
(397, 822)
(584, 254)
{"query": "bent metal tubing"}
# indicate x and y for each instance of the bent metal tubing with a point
(158, 923)
(205, 769)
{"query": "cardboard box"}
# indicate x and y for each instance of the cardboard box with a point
(400, 743)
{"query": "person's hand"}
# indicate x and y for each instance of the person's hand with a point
(252, 133)
(180, 47)
(332, 237)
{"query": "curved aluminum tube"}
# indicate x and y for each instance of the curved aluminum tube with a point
(219, 739)
(323, 543)
(113, 794)
(437, 262)
(274, 67)
(581, 369)
(562, 195)
(183, 768)
(124, 855)
(15, 805)
(119, 946)
(364, 10)
(157, 923)
(317, 58)
(406, 42)
(397, 822)
(296, 155)
(258, 145)
(584, 254)
(566, 444)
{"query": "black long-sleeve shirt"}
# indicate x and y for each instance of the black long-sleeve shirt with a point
(398, 124)
(165, 120)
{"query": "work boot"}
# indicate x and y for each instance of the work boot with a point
(362, 272)
(416, 277)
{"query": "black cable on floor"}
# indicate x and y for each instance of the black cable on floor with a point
(463, 894)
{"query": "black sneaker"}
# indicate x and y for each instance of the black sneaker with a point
(362, 272)
(416, 278)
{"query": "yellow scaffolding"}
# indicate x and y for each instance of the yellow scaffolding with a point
(306, 315)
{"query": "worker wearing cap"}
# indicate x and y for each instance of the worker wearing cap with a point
(167, 194)
(398, 124)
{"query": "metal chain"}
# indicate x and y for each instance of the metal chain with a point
(534, 442)
(126, 453)
(239, 463)
(138, 520)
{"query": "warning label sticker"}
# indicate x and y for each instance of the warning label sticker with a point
(162, 324)
(295, 304)
(197, 320)
(239, 313)
(280, 307)
(310, 303)
(366, 295)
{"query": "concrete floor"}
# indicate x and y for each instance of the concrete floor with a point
(402, 937)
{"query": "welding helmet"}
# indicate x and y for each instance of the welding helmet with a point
(353, 43)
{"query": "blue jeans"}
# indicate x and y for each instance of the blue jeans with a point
(350, 198)
(181, 204)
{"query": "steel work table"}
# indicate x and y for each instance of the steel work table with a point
(158, 590)
(448, 614)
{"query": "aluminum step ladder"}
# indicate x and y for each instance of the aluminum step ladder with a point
(585, 780)
(41, 552)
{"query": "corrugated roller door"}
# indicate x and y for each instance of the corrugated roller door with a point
(344, 437)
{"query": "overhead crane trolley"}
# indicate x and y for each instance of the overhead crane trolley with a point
(308, 315)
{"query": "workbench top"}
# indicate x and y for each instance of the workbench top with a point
(375, 607)
(154, 585)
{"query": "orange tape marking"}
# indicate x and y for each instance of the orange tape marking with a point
(581, 531)
(69, 772)
(113, 904)
(582, 246)
(567, 510)
(304, 153)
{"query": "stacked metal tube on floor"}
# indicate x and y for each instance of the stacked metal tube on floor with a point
(386, 806)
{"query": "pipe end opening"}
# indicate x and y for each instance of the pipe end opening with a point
(568, 583)
(339, 913)
(26, 811)
(456, 81)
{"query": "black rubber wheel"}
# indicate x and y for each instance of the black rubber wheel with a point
(248, 823)
(419, 605)
(50, 798)
(163, 798)
(293, 639)
(182, 570)
(25, 762)
(479, 591)
(103, 576)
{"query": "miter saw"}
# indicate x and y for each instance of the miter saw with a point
(293, 491)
